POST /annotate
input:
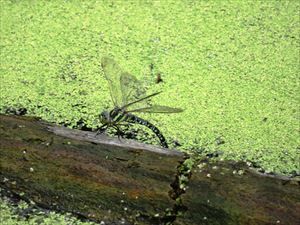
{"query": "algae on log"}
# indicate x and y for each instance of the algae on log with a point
(98, 177)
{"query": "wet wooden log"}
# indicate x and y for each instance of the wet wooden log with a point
(227, 192)
(125, 182)
(98, 177)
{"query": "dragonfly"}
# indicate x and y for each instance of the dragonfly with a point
(128, 95)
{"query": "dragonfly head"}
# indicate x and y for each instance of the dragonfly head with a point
(105, 117)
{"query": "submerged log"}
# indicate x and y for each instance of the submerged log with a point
(125, 182)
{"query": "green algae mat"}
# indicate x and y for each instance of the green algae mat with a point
(233, 66)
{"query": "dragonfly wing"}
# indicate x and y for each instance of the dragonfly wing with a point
(112, 73)
(141, 100)
(157, 109)
(127, 91)
(132, 88)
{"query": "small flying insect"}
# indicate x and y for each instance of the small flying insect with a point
(129, 96)
(158, 75)
(158, 78)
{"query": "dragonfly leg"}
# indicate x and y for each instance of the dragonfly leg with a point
(101, 130)
(119, 132)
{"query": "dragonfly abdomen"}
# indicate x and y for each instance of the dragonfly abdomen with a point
(134, 119)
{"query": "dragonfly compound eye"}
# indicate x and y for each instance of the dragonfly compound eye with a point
(104, 117)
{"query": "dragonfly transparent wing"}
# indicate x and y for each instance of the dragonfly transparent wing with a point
(157, 109)
(124, 87)
(141, 100)
(129, 92)
(132, 90)
(112, 73)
